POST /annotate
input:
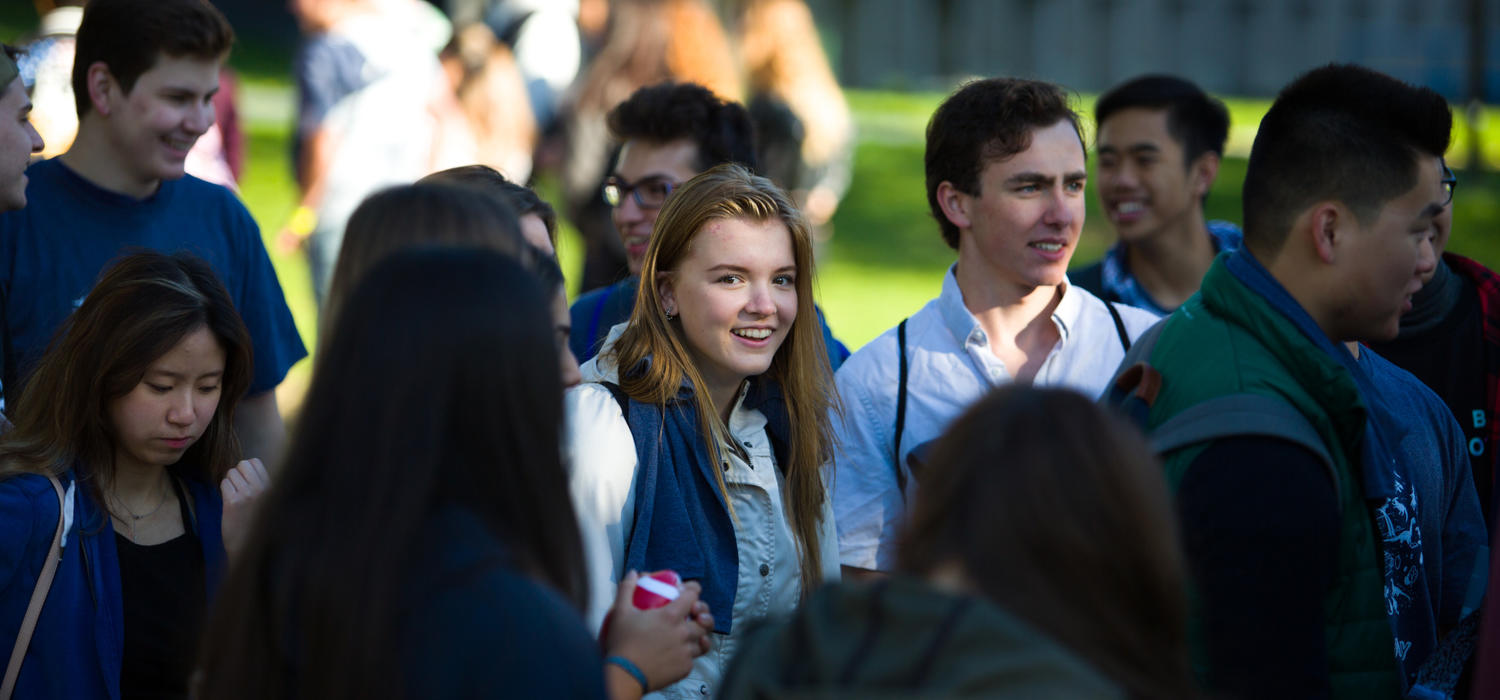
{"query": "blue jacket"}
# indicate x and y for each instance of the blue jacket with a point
(78, 646)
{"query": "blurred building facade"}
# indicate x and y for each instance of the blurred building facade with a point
(1235, 47)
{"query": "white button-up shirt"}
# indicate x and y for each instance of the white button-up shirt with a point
(949, 366)
(603, 471)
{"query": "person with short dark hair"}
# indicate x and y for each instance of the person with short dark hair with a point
(668, 133)
(537, 218)
(144, 78)
(124, 439)
(1041, 561)
(1304, 532)
(18, 138)
(1005, 183)
(1160, 139)
(1451, 341)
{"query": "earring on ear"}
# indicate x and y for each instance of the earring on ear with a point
(669, 316)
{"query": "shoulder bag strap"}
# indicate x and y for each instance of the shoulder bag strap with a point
(900, 402)
(38, 597)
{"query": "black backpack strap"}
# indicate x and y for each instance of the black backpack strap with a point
(621, 397)
(900, 401)
(1114, 313)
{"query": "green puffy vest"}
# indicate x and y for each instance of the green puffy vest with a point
(1228, 340)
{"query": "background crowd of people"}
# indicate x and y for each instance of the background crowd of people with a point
(1226, 460)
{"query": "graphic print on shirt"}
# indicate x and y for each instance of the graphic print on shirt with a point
(1401, 542)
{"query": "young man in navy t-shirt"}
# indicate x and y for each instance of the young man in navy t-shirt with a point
(144, 74)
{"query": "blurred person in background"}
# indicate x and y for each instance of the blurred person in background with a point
(803, 125)
(1041, 559)
(374, 109)
(648, 41)
(1160, 139)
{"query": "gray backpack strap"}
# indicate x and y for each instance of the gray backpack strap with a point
(1242, 415)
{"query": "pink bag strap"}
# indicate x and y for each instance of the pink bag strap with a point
(38, 597)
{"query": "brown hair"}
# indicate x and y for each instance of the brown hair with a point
(1060, 513)
(129, 36)
(140, 308)
(800, 366)
(987, 121)
(431, 213)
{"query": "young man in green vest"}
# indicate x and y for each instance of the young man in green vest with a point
(1282, 519)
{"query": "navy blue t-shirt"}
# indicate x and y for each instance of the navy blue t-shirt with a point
(53, 251)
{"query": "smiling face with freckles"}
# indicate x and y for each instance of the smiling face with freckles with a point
(735, 296)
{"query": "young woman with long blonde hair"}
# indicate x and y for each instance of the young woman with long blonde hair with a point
(699, 438)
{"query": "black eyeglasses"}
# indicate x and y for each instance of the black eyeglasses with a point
(1450, 183)
(649, 193)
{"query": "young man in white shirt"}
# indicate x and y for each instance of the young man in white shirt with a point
(1005, 180)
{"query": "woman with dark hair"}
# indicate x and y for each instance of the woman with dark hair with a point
(420, 541)
(1041, 560)
(124, 436)
(700, 446)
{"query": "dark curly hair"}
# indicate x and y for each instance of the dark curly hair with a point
(987, 121)
(670, 111)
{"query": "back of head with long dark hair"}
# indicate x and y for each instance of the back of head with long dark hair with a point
(140, 308)
(440, 388)
(1059, 513)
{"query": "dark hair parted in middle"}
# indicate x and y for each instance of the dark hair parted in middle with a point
(1344, 133)
(987, 121)
(140, 308)
(130, 36)
(445, 395)
(1058, 512)
(1199, 122)
(669, 111)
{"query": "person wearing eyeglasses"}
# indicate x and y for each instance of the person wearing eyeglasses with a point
(668, 133)
(1450, 339)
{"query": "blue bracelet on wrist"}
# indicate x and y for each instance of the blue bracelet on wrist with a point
(632, 669)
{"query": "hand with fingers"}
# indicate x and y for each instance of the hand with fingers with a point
(658, 645)
(241, 488)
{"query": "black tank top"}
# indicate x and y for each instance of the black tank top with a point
(162, 588)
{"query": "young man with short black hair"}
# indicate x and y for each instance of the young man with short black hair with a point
(1159, 142)
(144, 74)
(1005, 182)
(1303, 522)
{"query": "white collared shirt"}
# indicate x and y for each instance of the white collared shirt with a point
(603, 469)
(949, 366)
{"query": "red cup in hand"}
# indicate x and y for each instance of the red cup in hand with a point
(653, 590)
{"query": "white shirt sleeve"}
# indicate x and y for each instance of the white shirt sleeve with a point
(867, 502)
(601, 456)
